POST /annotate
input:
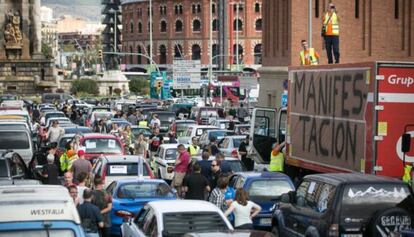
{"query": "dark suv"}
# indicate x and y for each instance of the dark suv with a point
(345, 205)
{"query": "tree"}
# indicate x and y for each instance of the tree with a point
(139, 86)
(86, 86)
(117, 91)
(47, 50)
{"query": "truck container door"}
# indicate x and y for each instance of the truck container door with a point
(263, 134)
(395, 110)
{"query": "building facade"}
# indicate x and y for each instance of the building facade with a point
(370, 30)
(181, 30)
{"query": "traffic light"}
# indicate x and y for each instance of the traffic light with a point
(100, 53)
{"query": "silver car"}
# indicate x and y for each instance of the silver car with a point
(229, 145)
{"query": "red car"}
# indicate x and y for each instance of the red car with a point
(96, 144)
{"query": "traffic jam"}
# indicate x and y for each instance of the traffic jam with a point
(335, 160)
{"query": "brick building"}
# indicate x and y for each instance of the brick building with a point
(181, 30)
(369, 30)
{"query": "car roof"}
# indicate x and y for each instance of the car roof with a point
(173, 145)
(54, 112)
(201, 126)
(236, 136)
(264, 174)
(98, 135)
(185, 121)
(122, 158)
(171, 206)
(355, 178)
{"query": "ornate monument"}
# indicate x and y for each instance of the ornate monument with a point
(23, 68)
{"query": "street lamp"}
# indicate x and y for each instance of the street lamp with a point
(150, 30)
(113, 11)
(237, 4)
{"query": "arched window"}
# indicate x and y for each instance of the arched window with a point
(163, 27)
(258, 25)
(239, 23)
(195, 52)
(176, 9)
(181, 9)
(198, 8)
(178, 26)
(163, 54)
(257, 7)
(215, 53)
(131, 57)
(131, 27)
(213, 9)
(215, 25)
(139, 27)
(196, 25)
(139, 60)
(239, 54)
(148, 53)
(178, 51)
(193, 8)
(161, 10)
(258, 54)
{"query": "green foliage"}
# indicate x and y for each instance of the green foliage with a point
(117, 91)
(86, 86)
(47, 50)
(140, 86)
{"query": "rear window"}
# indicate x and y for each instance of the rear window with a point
(237, 141)
(217, 134)
(38, 233)
(145, 190)
(269, 188)
(102, 145)
(145, 131)
(52, 96)
(171, 154)
(124, 169)
(3, 169)
(177, 224)
(14, 140)
(209, 113)
(166, 117)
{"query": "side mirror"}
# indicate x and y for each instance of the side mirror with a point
(406, 142)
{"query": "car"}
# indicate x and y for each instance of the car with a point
(175, 218)
(223, 123)
(164, 161)
(263, 188)
(77, 129)
(237, 233)
(15, 112)
(96, 144)
(136, 130)
(204, 115)
(345, 204)
(179, 127)
(229, 145)
(95, 116)
(165, 117)
(53, 97)
(38, 210)
(207, 135)
(18, 140)
(14, 104)
(6, 97)
(242, 129)
(194, 131)
(12, 167)
(130, 195)
(118, 121)
(53, 114)
(116, 167)
(235, 164)
(61, 120)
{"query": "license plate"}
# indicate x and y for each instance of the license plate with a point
(265, 221)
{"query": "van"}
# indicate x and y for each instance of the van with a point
(18, 140)
(52, 97)
(32, 213)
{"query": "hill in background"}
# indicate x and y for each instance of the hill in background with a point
(89, 9)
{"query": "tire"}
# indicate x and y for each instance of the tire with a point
(275, 231)
(390, 222)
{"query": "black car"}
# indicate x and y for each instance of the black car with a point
(345, 205)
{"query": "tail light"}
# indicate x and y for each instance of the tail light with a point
(124, 214)
(170, 169)
(333, 230)
(234, 154)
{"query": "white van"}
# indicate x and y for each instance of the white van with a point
(38, 210)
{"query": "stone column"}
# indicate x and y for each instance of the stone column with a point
(37, 27)
(2, 21)
(25, 17)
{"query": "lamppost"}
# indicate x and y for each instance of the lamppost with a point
(150, 31)
(237, 4)
(113, 11)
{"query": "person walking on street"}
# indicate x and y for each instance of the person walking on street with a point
(81, 165)
(51, 171)
(133, 119)
(330, 32)
(193, 149)
(155, 140)
(215, 173)
(55, 132)
(81, 185)
(205, 165)
(195, 185)
(90, 215)
(244, 210)
(155, 122)
(217, 196)
(103, 200)
(212, 147)
(140, 146)
(181, 168)
(68, 179)
(248, 163)
(242, 113)
(73, 192)
(308, 56)
(224, 164)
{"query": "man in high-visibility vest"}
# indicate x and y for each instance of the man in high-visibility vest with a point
(277, 159)
(193, 149)
(330, 32)
(308, 56)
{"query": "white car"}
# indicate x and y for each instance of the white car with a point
(164, 161)
(223, 123)
(176, 218)
(204, 139)
(229, 145)
(194, 131)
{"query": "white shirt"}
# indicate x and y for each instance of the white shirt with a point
(242, 213)
(155, 121)
(81, 190)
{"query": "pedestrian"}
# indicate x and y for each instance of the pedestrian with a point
(73, 192)
(212, 147)
(231, 124)
(308, 56)
(115, 130)
(64, 159)
(244, 210)
(90, 215)
(155, 140)
(247, 162)
(242, 113)
(55, 132)
(140, 146)
(50, 171)
(215, 173)
(217, 196)
(224, 165)
(155, 122)
(195, 185)
(181, 168)
(205, 165)
(133, 119)
(193, 149)
(81, 165)
(330, 32)
(277, 159)
(68, 177)
(82, 178)
(100, 127)
(103, 200)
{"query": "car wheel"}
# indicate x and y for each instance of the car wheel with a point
(390, 222)
(275, 231)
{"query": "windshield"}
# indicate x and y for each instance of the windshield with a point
(77, 130)
(103, 115)
(3, 168)
(177, 224)
(14, 140)
(145, 131)
(269, 188)
(37, 233)
(144, 190)
(217, 134)
(124, 169)
(166, 117)
(102, 145)
(209, 113)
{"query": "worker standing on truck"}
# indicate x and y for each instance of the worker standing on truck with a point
(277, 159)
(330, 33)
(308, 56)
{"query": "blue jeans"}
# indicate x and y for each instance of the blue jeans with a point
(332, 46)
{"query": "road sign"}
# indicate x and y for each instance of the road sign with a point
(248, 82)
(187, 74)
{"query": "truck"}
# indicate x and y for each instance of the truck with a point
(341, 118)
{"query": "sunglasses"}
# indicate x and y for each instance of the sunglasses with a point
(213, 165)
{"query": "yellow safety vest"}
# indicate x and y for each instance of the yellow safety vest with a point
(143, 123)
(276, 162)
(335, 24)
(407, 173)
(312, 58)
(194, 150)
